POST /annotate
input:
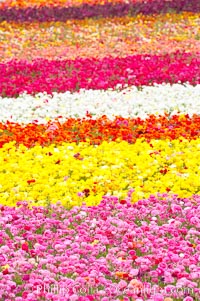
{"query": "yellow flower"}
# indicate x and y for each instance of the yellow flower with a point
(95, 242)
(4, 267)
(110, 168)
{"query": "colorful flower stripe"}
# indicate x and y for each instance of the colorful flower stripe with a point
(117, 37)
(131, 102)
(73, 174)
(65, 75)
(110, 252)
(116, 251)
(43, 14)
(60, 3)
(102, 129)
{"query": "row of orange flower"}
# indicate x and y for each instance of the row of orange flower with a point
(101, 129)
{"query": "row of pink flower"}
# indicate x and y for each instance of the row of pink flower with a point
(118, 250)
(68, 75)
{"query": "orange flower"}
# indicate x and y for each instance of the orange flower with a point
(122, 274)
(102, 129)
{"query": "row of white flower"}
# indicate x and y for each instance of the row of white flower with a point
(130, 102)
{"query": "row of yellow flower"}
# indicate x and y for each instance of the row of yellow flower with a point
(74, 174)
(154, 34)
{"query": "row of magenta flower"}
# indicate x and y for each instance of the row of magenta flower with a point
(72, 75)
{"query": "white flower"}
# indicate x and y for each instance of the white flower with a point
(129, 102)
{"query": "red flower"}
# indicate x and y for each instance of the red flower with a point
(49, 154)
(86, 192)
(31, 181)
(5, 272)
(27, 228)
(25, 246)
(78, 156)
(123, 202)
(134, 257)
(158, 260)
(164, 171)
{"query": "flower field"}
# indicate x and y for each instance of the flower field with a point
(99, 150)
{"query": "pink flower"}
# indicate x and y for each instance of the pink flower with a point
(26, 277)
(74, 297)
(135, 284)
(134, 272)
(188, 299)
(158, 297)
(25, 294)
(122, 284)
(64, 245)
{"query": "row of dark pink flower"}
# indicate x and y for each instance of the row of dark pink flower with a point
(155, 242)
(70, 75)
